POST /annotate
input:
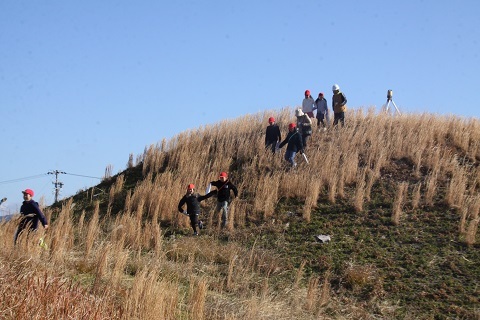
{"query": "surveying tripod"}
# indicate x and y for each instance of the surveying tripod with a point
(386, 106)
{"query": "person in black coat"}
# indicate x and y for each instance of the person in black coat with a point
(272, 135)
(31, 215)
(224, 186)
(294, 144)
(193, 200)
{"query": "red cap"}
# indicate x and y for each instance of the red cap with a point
(191, 186)
(223, 174)
(292, 125)
(307, 92)
(271, 119)
(28, 191)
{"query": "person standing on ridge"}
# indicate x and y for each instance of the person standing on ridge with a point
(339, 105)
(223, 185)
(304, 125)
(322, 112)
(273, 135)
(193, 200)
(294, 144)
(31, 215)
(308, 104)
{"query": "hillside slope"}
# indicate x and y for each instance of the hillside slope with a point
(398, 196)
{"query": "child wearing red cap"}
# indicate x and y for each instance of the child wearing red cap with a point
(31, 215)
(308, 104)
(322, 111)
(223, 186)
(272, 135)
(193, 200)
(294, 144)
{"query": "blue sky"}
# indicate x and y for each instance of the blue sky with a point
(83, 84)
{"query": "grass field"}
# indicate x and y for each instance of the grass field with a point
(398, 196)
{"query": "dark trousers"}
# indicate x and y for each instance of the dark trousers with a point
(339, 116)
(320, 119)
(194, 221)
(271, 145)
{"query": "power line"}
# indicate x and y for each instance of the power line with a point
(57, 184)
(79, 175)
(23, 179)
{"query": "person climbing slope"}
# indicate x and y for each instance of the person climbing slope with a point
(193, 199)
(294, 144)
(272, 135)
(223, 185)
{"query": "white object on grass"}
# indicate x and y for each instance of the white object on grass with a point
(323, 238)
(305, 157)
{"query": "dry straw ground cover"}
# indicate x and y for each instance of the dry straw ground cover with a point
(398, 195)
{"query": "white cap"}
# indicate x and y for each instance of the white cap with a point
(298, 113)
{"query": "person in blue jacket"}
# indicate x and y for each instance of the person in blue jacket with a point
(31, 215)
(193, 200)
(322, 112)
(294, 144)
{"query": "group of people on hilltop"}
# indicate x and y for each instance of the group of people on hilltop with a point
(339, 106)
(300, 132)
(296, 141)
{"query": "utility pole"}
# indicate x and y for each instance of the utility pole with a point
(58, 185)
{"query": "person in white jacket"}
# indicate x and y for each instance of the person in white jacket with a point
(308, 104)
(304, 125)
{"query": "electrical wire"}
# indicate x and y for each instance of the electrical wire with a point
(80, 175)
(43, 175)
(23, 179)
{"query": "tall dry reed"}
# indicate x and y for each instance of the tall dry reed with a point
(399, 202)
(359, 197)
(92, 230)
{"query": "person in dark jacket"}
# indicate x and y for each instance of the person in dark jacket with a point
(224, 186)
(294, 144)
(273, 135)
(322, 111)
(31, 215)
(339, 105)
(192, 200)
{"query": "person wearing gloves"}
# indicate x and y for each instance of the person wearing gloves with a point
(322, 112)
(308, 104)
(272, 135)
(339, 105)
(294, 144)
(223, 185)
(193, 200)
(304, 125)
(31, 215)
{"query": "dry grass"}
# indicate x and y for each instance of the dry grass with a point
(399, 202)
(112, 260)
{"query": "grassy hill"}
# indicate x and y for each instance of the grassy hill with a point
(397, 195)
